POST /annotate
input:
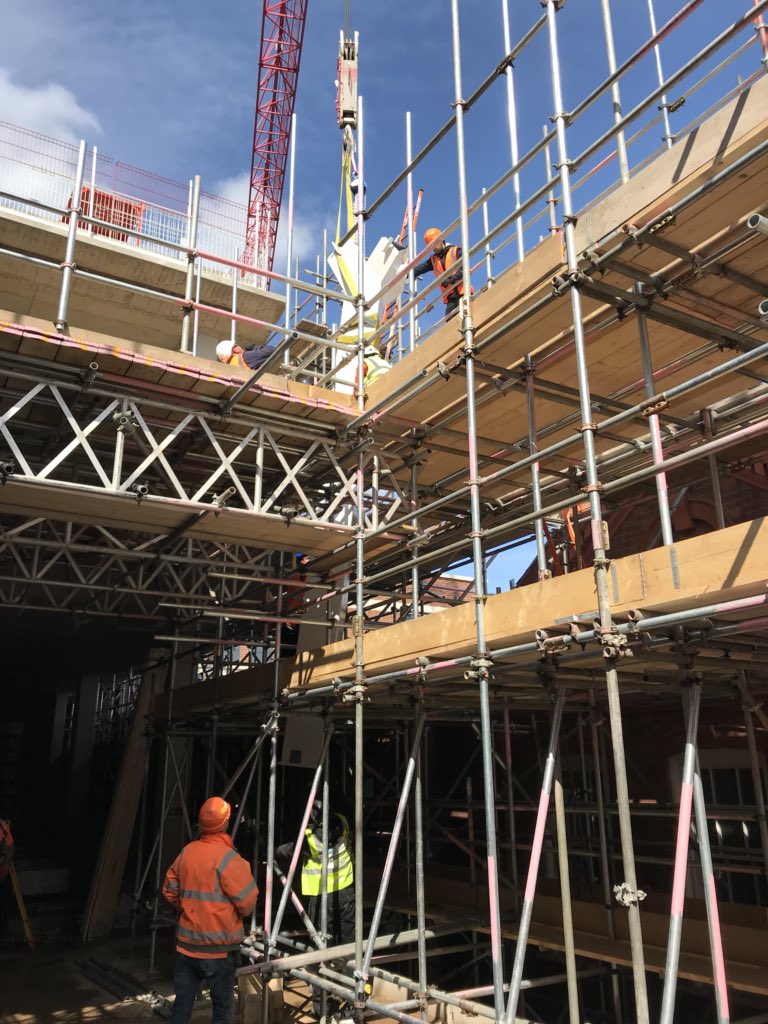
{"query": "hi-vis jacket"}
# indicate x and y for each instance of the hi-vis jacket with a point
(440, 262)
(341, 872)
(375, 364)
(212, 888)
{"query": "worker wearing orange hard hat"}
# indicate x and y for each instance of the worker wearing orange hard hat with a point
(442, 258)
(212, 889)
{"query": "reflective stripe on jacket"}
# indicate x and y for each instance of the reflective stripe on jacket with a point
(236, 359)
(375, 366)
(341, 873)
(440, 265)
(212, 888)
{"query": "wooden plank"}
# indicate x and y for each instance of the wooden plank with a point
(731, 563)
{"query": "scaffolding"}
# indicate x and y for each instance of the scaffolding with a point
(389, 490)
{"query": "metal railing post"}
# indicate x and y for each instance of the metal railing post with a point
(657, 449)
(68, 264)
(189, 288)
(289, 238)
(512, 122)
(621, 146)
(660, 74)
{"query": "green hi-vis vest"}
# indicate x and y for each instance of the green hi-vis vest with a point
(340, 869)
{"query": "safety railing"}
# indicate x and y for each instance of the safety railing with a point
(37, 169)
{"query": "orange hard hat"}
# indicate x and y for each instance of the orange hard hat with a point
(430, 235)
(214, 815)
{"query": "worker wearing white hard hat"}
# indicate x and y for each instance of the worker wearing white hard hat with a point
(229, 352)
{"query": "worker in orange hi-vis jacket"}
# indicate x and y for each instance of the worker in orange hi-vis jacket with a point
(442, 258)
(212, 888)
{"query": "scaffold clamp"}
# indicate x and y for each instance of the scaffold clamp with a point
(7, 469)
(651, 410)
(289, 513)
(125, 421)
(627, 896)
(614, 645)
(220, 500)
(560, 284)
(480, 668)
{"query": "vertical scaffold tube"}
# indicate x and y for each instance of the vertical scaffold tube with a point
(565, 899)
(300, 838)
(194, 213)
(533, 447)
(272, 804)
(489, 279)
(510, 803)
(512, 122)
(482, 663)
(660, 75)
(762, 35)
(289, 237)
(163, 814)
(324, 867)
(412, 248)
(359, 689)
(415, 583)
(681, 860)
(389, 861)
(535, 860)
(68, 264)
(657, 449)
(605, 868)
(710, 900)
(621, 146)
(421, 921)
(610, 650)
(757, 776)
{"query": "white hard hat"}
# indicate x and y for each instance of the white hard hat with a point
(224, 350)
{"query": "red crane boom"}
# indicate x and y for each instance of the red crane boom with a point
(282, 36)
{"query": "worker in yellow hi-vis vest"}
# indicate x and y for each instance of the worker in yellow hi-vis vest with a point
(341, 877)
(341, 873)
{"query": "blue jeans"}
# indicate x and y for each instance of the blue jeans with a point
(189, 972)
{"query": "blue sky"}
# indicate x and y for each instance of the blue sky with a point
(170, 87)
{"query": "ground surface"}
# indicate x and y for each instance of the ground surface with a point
(48, 987)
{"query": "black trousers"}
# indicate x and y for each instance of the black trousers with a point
(189, 973)
(452, 305)
(341, 915)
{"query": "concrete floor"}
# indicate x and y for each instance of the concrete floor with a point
(48, 987)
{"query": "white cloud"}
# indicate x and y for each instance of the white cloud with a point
(234, 189)
(50, 109)
(307, 228)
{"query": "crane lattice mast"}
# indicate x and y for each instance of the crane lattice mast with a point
(282, 36)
